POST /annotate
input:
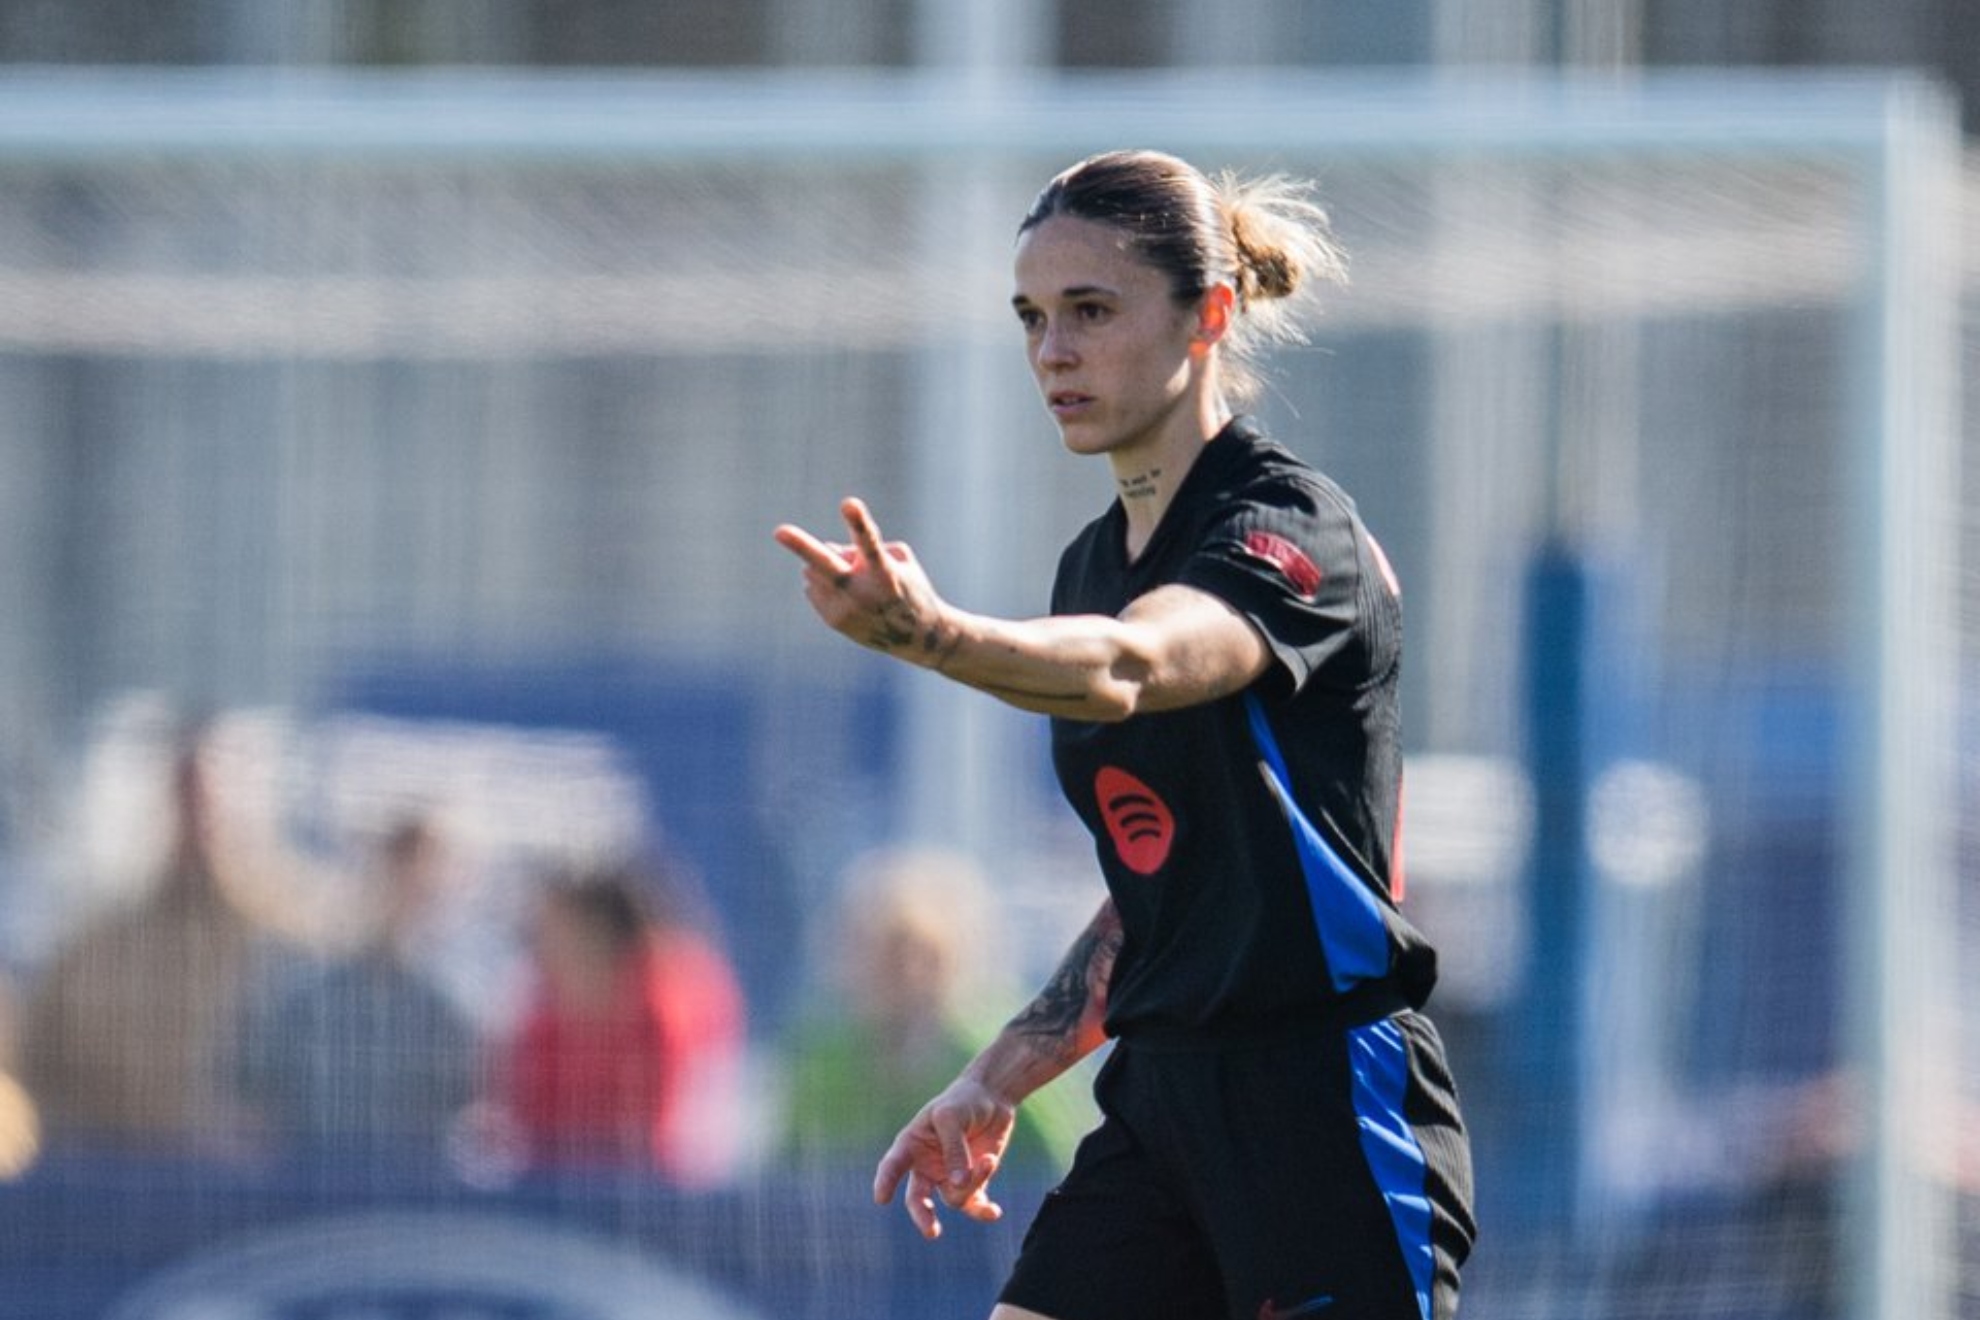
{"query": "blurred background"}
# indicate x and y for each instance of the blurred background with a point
(446, 871)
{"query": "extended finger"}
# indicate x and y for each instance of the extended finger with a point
(816, 554)
(865, 531)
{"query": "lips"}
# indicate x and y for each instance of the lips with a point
(1064, 401)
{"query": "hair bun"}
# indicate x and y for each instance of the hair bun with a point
(1266, 270)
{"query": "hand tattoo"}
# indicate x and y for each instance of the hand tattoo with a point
(899, 624)
(893, 628)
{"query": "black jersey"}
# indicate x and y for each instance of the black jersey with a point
(1250, 844)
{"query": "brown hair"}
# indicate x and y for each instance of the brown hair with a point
(1264, 236)
(609, 900)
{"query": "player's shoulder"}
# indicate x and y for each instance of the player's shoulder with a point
(1262, 476)
(1279, 515)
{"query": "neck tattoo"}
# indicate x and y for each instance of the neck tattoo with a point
(1140, 486)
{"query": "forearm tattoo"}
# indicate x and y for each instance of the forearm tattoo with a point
(1079, 986)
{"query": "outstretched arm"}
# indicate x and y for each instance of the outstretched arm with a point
(953, 1146)
(1173, 647)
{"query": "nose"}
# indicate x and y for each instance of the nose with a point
(1055, 348)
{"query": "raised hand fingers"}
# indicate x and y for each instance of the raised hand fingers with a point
(826, 560)
(865, 531)
(872, 591)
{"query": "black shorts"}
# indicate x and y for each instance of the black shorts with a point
(1323, 1176)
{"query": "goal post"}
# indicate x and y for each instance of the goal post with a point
(1904, 958)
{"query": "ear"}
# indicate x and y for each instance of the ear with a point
(1213, 314)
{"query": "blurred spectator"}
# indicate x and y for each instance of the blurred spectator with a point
(131, 1033)
(20, 1124)
(1756, 1229)
(367, 1058)
(893, 1030)
(630, 1049)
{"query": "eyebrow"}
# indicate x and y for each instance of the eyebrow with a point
(1072, 291)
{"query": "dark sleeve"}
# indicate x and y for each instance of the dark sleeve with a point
(1300, 566)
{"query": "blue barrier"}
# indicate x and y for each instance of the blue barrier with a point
(95, 1238)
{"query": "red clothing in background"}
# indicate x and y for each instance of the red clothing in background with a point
(618, 1085)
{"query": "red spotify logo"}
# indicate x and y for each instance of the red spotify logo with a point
(1140, 823)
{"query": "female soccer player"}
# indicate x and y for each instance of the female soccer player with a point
(1280, 1136)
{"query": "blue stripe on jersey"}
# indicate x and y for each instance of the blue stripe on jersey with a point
(1379, 1060)
(1353, 935)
